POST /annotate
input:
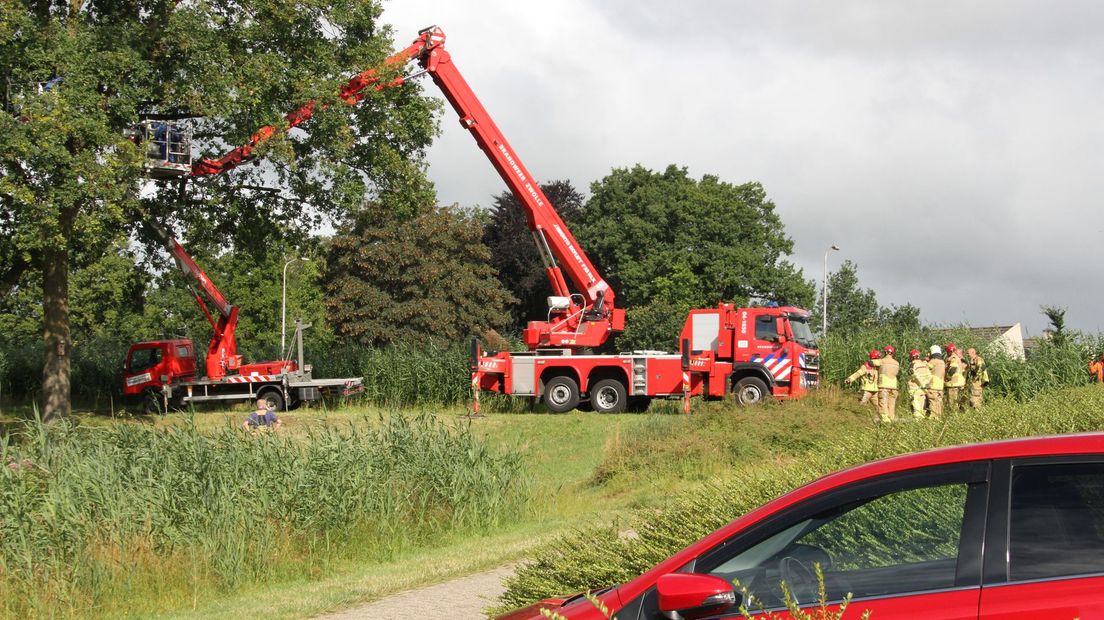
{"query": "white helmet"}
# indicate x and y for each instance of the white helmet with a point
(935, 350)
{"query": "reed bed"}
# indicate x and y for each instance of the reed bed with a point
(127, 519)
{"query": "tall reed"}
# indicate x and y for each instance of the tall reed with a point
(103, 518)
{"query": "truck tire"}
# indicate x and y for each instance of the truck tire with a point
(153, 402)
(561, 394)
(609, 396)
(274, 397)
(750, 391)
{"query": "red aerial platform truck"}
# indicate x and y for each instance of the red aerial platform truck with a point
(161, 374)
(748, 353)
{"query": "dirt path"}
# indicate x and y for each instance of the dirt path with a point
(463, 597)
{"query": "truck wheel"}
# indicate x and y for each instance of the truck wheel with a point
(274, 397)
(750, 391)
(561, 394)
(609, 396)
(153, 402)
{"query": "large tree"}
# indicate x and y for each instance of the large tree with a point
(514, 253)
(668, 242)
(78, 74)
(405, 270)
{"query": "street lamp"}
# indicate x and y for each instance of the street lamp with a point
(283, 307)
(824, 293)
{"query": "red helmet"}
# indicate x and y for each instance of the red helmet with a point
(875, 354)
(951, 347)
(913, 354)
(890, 350)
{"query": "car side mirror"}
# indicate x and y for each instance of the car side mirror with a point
(691, 595)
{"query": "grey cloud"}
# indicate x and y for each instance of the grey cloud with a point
(950, 147)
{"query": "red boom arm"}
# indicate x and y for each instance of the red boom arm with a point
(584, 319)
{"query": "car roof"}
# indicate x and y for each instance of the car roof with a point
(1083, 443)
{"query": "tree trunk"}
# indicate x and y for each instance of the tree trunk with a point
(56, 367)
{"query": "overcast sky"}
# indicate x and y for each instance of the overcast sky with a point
(952, 149)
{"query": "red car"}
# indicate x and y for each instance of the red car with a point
(1004, 530)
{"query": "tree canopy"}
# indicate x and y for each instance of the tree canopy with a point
(514, 255)
(668, 239)
(79, 74)
(852, 308)
(402, 274)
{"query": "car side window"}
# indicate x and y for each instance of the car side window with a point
(766, 328)
(905, 541)
(1056, 521)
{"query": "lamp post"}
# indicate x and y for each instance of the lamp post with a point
(824, 293)
(283, 307)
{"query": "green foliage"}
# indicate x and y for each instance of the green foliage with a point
(604, 555)
(415, 278)
(514, 255)
(1050, 367)
(850, 307)
(663, 237)
(402, 374)
(90, 516)
(69, 178)
(1057, 317)
(853, 309)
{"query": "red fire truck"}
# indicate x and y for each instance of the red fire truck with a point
(161, 374)
(750, 353)
(746, 352)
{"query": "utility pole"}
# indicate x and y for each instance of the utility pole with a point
(824, 293)
(283, 307)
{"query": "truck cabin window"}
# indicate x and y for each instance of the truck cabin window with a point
(142, 359)
(766, 329)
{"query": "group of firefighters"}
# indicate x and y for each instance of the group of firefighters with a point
(932, 381)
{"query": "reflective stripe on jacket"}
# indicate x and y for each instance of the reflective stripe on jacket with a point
(938, 370)
(869, 376)
(920, 375)
(887, 373)
(956, 371)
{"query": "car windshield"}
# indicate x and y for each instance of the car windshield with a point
(801, 332)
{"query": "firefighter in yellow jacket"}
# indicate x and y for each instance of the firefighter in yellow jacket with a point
(918, 382)
(935, 389)
(956, 377)
(867, 375)
(978, 376)
(888, 367)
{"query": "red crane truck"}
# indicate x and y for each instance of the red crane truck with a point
(746, 352)
(161, 374)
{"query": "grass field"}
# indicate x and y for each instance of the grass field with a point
(588, 476)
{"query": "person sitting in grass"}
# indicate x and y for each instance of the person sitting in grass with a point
(263, 415)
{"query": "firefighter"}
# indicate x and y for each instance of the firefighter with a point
(1097, 369)
(978, 376)
(888, 368)
(868, 380)
(956, 378)
(919, 380)
(935, 389)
